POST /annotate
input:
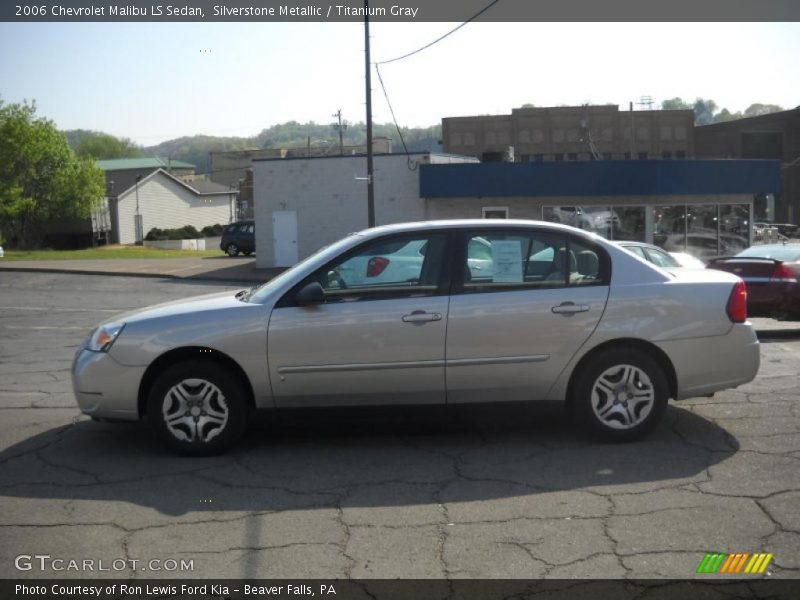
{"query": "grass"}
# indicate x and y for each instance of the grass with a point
(107, 252)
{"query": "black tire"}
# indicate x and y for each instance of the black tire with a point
(197, 394)
(637, 403)
(232, 250)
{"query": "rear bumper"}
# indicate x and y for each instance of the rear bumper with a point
(710, 364)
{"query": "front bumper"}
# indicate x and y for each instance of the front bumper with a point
(105, 388)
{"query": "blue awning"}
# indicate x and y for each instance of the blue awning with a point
(601, 178)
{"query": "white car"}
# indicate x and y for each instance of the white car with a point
(662, 258)
(2, 254)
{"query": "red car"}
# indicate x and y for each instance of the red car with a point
(771, 273)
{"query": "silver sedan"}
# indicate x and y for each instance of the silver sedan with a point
(554, 313)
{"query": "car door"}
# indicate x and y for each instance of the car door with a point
(248, 238)
(512, 329)
(377, 338)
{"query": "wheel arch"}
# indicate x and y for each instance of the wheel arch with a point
(186, 353)
(646, 347)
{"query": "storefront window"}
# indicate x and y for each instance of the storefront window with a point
(629, 223)
(598, 219)
(734, 228)
(566, 215)
(669, 227)
(702, 231)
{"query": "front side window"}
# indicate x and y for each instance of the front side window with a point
(393, 267)
(507, 260)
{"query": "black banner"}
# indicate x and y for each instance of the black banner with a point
(381, 589)
(398, 10)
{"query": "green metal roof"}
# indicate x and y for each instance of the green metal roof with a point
(149, 162)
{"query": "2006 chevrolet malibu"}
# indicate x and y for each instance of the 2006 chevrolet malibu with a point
(441, 312)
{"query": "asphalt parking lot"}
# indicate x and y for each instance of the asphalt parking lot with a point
(495, 493)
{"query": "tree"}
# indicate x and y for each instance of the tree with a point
(704, 111)
(755, 110)
(726, 115)
(41, 178)
(676, 104)
(101, 146)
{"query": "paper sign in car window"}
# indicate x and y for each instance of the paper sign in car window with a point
(507, 261)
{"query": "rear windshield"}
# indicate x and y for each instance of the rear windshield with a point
(784, 253)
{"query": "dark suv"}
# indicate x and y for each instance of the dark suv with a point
(239, 237)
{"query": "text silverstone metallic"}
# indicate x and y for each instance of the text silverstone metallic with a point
(221, 10)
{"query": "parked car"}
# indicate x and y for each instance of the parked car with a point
(2, 254)
(688, 261)
(239, 237)
(662, 258)
(771, 273)
(557, 314)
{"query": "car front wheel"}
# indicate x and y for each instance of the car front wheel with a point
(620, 395)
(232, 250)
(197, 408)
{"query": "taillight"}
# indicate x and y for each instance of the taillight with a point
(376, 266)
(737, 303)
(784, 274)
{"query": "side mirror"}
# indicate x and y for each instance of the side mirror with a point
(310, 294)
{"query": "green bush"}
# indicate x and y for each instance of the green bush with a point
(212, 230)
(187, 232)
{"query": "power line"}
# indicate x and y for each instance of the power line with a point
(417, 51)
(439, 39)
(394, 118)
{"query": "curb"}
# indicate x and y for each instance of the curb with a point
(199, 277)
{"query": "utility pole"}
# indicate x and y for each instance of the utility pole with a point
(367, 68)
(341, 126)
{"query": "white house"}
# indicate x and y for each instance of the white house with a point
(164, 201)
(302, 204)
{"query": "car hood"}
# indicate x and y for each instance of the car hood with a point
(205, 303)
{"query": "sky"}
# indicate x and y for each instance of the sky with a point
(156, 81)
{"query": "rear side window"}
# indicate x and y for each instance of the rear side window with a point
(661, 258)
(514, 259)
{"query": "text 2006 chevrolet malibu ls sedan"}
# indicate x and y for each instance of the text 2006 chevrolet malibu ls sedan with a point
(553, 313)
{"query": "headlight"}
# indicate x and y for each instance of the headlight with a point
(103, 337)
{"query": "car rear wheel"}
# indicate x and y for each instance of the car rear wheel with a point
(232, 250)
(620, 395)
(197, 408)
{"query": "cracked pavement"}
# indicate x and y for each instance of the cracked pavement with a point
(480, 492)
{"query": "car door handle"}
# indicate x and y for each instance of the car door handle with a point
(569, 308)
(420, 316)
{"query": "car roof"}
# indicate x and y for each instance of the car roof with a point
(473, 224)
(630, 243)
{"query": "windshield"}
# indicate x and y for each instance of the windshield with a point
(784, 253)
(265, 289)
